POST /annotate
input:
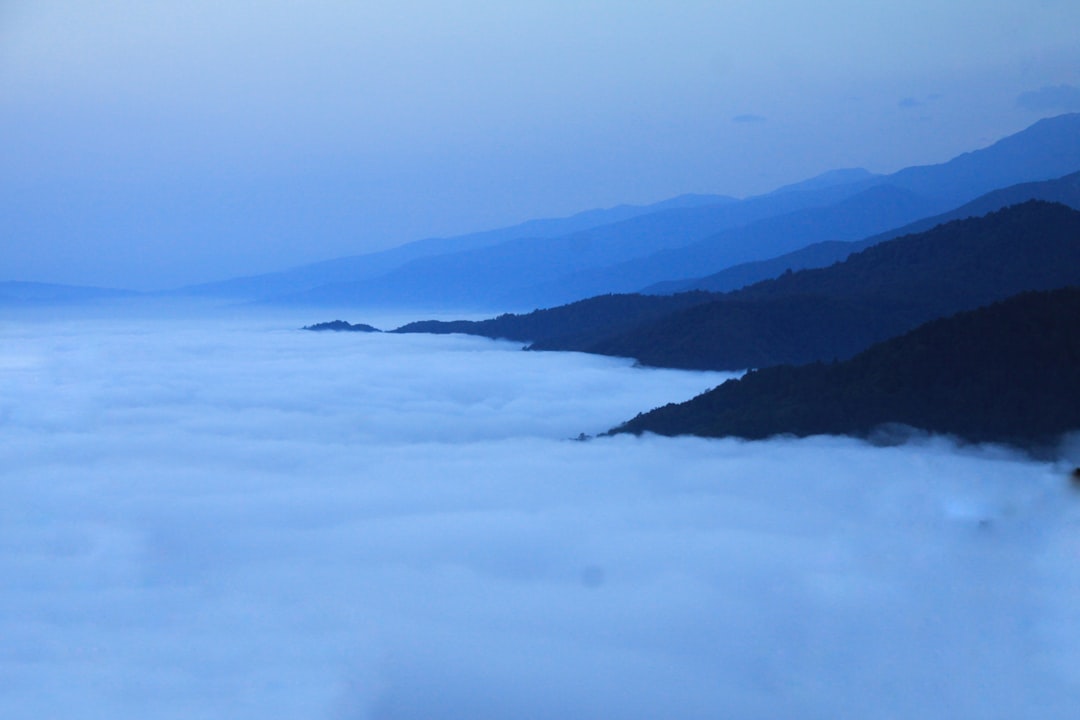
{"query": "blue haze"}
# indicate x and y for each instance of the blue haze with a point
(155, 145)
(231, 518)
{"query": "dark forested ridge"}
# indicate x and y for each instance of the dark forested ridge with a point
(1033, 245)
(833, 312)
(572, 326)
(1007, 373)
(341, 326)
(824, 314)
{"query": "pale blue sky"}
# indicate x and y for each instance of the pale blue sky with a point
(153, 144)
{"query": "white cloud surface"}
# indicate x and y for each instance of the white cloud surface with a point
(240, 520)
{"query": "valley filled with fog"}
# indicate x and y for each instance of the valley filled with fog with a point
(227, 517)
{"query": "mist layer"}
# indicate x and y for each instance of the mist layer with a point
(242, 520)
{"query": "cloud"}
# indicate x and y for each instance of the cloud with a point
(238, 520)
(1051, 98)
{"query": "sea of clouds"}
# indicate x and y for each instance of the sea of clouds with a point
(231, 518)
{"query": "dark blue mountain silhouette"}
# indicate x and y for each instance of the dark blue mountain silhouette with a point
(1007, 373)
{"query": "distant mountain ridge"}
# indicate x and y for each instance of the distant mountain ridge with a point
(1006, 373)
(818, 314)
(544, 263)
(34, 293)
(1048, 149)
(520, 271)
(1064, 190)
(490, 276)
(360, 267)
(870, 211)
(841, 176)
(875, 294)
(661, 245)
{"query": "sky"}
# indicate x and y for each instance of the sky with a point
(232, 518)
(150, 145)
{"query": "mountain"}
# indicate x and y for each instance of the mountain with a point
(825, 313)
(842, 176)
(32, 293)
(1065, 190)
(341, 326)
(527, 272)
(1048, 149)
(1007, 373)
(361, 267)
(870, 211)
(875, 294)
(504, 274)
(574, 325)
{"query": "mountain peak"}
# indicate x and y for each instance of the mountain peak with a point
(831, 178)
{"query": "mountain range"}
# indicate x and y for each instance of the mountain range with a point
(818, 314)
(844, 290)
(1006, 373)
(17, 293)
(627, 249)
(1064, 190)
(360, 268)
(544, 263)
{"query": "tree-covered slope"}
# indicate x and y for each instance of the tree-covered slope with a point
(1009, 373)
(341, 326)
(1034, 245)
(825, 314)
(569, 326)
(833, 312)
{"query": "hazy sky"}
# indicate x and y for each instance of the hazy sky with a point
(152, 144)
(239, 520)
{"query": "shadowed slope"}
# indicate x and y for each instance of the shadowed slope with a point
(817, 314)
(1006, 373)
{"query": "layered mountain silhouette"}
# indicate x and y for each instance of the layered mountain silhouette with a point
(34, 293)
(526, 271)
(1006, 373)
(1065, 190)
(822, 314)
(870, 211)
(628, 249)
(372, 265)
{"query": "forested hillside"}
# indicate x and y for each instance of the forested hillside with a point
(824, 314)
(1006, 373)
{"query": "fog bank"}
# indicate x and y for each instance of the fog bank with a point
(241, 520)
